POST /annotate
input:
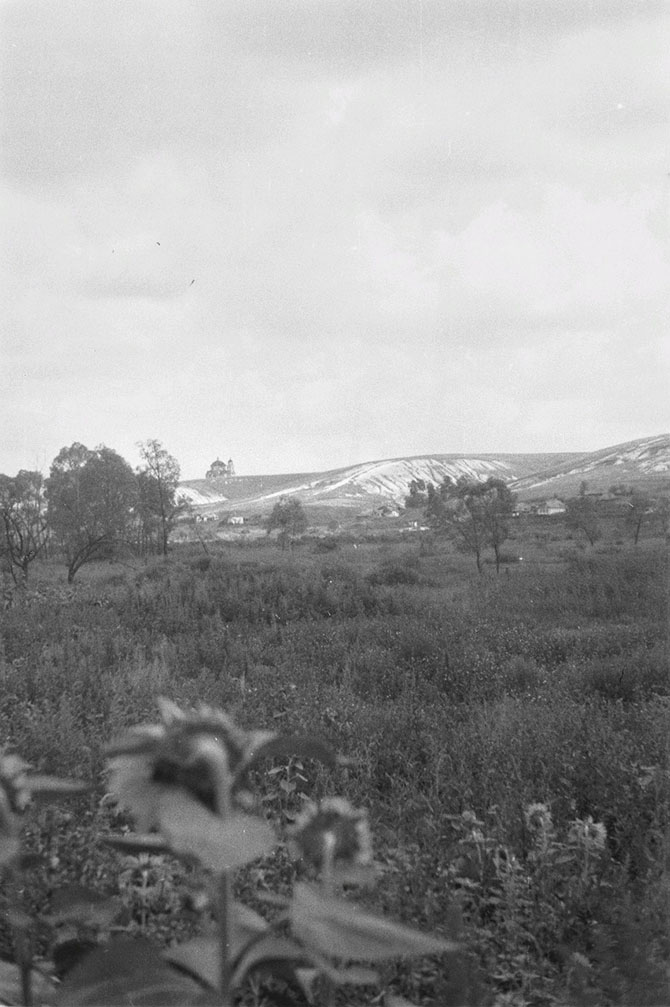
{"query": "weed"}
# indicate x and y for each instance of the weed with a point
(451, 693)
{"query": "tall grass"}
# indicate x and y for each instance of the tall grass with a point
(451, 693)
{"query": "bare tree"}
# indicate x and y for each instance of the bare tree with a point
(23, 520)
(158, 482)
(638, 509)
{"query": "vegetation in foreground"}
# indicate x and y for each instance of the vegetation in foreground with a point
(507, 735)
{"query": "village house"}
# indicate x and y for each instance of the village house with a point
(550, 507)
(387, 510)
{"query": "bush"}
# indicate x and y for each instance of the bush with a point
(392, 573)
(325, 545)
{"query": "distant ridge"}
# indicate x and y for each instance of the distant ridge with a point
(643, 462)
(380, 481)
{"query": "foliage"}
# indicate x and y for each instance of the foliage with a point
(23, 520)
(288, 515)
(452, 694)
(418, 494)
(581, 514)
(91, 497)
(476, 513)
(393, 572)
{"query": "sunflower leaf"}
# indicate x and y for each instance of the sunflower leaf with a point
(219, 844)
(340, 929)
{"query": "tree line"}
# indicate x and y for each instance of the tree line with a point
(639, 509)
(476, 514)
(91, 506)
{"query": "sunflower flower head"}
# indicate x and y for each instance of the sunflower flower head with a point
(333, 831)
(14, 781)
(587, 834)
(14, 797)
(540, 825)
(191, 751)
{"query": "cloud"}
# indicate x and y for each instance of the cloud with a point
(338, 35)
(600, 256)
(91, 88)
(381, 208)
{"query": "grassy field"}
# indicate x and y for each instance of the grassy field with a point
(510, 737)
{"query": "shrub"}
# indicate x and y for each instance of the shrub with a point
(326, 545)
(391, 573)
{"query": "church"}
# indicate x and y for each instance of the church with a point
(221, 470)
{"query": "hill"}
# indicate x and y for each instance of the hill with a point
(238, 489)
(644, 463)
(355, 487)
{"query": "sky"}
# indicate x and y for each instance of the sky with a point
(309, 233)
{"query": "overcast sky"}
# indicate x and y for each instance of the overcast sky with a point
(308, 233)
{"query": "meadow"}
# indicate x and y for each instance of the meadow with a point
(508, 735)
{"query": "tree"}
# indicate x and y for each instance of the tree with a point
(581, 515)
(23, 519)
(620, 490)
(418, 494)
(639, 506)
(661, 514)
(452, 511)
(157, 489)
(148, 529)
(288, 515)
(497, 503)
(474, 513)
(92, 496)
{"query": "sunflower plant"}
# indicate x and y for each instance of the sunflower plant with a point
(19, 787)
(186, 783)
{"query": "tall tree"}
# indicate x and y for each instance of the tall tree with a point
(581, 515)
(474, 513)
(661, 515)
(158, 482)
(639, 506)
(148, 526)
(288, 515)
(23, 520)
(497, 502)
(454, 511)
(92, 497)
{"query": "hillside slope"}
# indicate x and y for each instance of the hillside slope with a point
(234, 489)
(356, 486)
(644, 463)
(388, 481)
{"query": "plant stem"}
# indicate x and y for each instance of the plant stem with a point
(23, 944)
(218, 761)
(24, 958)
(328, 885)
(225, 956)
